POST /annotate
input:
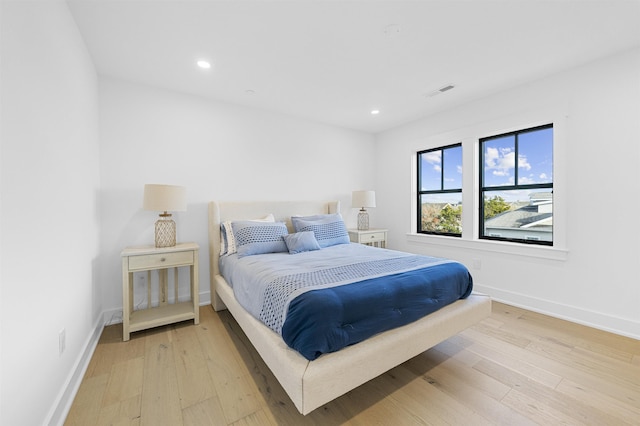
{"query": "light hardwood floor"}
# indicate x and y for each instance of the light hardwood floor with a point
(514, 368)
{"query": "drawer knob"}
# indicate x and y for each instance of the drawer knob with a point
(162, 259)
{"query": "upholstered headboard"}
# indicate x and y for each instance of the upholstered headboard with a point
(282, 211)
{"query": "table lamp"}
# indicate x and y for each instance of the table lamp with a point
(165, 198)
(363, 199)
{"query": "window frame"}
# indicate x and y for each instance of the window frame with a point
(420, 192)
(482, 189)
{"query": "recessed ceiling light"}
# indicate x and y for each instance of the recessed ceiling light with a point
(375, 111)
(204, 64)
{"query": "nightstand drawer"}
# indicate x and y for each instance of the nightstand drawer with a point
(372, 237)
(162, 260)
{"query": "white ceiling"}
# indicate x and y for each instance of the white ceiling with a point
(335, 61)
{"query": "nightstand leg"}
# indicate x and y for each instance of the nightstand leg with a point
(127, 297)
(148, 289)
(163, 287)
(175, 285)
(195, 296)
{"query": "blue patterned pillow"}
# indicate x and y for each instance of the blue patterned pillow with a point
(259, 237)
(301, 242)
(228, 241)
(328, 229)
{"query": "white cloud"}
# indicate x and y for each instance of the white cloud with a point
(523, 163)
(434, 158)
(500, 161)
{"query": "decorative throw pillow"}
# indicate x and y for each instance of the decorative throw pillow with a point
(301, 242)
(329, 229)
(228, 241)
(259, 237)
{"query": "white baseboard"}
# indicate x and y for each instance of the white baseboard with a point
(598, 320)
(205, 298)
(62, 405)
(113, 316)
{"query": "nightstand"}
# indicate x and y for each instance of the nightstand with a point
(371, 237)
(150, 258)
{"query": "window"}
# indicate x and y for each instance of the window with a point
(440, 191)
(516, 186)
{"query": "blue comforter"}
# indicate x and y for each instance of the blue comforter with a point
(325, 300)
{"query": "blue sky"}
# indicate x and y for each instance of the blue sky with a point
(431, 169)
(535, 159)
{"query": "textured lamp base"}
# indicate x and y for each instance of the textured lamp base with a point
(363, 220)
(165, 231)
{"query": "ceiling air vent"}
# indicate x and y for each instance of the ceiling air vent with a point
(440, 90)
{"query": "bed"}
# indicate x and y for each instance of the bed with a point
(312, 383)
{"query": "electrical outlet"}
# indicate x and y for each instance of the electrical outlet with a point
(62, 337)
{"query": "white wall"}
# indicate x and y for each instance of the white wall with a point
(218, 151)
(50, 220)
(591, 277)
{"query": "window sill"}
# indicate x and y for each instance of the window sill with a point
(515, 249)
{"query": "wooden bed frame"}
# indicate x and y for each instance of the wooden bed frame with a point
(311, 384)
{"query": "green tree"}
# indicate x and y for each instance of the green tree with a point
(430, 219)
(439, 218)
(450, 219)
(494, 206)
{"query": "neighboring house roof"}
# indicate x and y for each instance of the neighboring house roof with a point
(520, 218)
(541, 196)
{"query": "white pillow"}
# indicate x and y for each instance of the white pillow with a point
(228, 240)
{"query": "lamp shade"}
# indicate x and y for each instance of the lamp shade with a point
(165, 198)
(363, 199)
